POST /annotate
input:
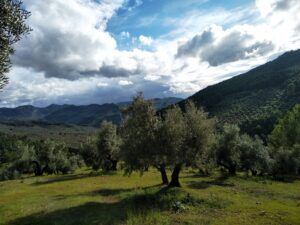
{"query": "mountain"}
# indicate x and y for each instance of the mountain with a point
(255, 100)
(85, 115)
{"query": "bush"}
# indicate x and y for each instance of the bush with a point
(286, 161)
(284, 144)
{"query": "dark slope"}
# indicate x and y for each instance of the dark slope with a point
(90, 115)
(256, 99)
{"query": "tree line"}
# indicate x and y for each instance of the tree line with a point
(190, 138)
(21, 156)
(173, 140)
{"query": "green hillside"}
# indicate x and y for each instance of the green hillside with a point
(256, 99)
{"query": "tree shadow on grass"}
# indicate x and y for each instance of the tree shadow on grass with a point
(117, 191)
(98, 213)
(105, 192)
(220, 181)
(117, 212)
(92, 213)
(63, 178)
(266, 179)
(110, 192)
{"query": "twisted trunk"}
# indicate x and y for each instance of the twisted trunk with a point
(232, 170)
(37, 168)
(162, 170)
(175, 176)
(254, 172)
(114, 164)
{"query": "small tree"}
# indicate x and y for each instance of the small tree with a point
(254, 155)
(12, 27)
(286, 161)
(284, 143)
(21, 162)
(187, 138)
(287, 130)
(108, 145)
(51, 157)
(227, 150)
(172, 134)
(103, 150)
(89, 153)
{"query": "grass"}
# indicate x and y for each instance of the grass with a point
(89, 199)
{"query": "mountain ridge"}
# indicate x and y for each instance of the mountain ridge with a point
(83, 115)
(256, 99)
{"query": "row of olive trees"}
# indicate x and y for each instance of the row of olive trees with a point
(281, 156)
(38, 158)
(177, 139)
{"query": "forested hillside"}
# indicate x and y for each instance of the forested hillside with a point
(256, 99)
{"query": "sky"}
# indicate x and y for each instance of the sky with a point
(101, 51)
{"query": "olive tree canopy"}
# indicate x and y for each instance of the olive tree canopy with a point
(12, 27)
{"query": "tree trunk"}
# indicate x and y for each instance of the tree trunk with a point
(37, 170)
(232, 170)
(254, 172)
(162, 170)
(114, 164)
(44, 170)
(261, 173)
(175, 176)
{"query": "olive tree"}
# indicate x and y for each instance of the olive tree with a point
(103, 150)
(21, 162)
(171, 140)
(139, 131)
(286, 161)
(89, 153)
(174, 140)
(12, 27)
(287, 131)
(236, 151)
(284, 143)
(254, 155)
(228, 148)
(187, 138)
(108, 146)
(51, 157)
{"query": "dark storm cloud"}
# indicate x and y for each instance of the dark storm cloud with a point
(232, 47)
(55, 53)
(283, 4)
(110, 71)
(191, 47)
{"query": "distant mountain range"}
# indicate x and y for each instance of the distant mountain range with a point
(85, 115)
(255, 100)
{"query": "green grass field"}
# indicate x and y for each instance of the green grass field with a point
(84, 198)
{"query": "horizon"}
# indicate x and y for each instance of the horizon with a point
(96, 52)
(105, 103)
